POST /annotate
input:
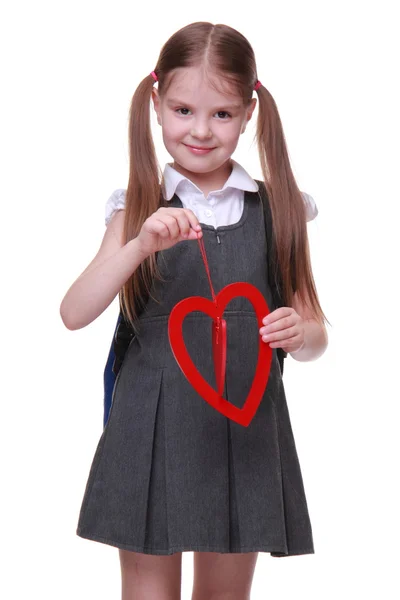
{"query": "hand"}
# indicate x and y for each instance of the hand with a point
(166, 227)
(283, 328)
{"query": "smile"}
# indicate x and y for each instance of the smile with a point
(197, 150)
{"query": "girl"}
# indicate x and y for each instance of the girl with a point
(170, 473)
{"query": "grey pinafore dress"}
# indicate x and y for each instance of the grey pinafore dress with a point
(171, 473)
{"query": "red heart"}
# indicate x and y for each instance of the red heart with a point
(215, 310)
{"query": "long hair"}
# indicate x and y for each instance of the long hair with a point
(222, 50)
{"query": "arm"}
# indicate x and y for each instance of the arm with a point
(315, 335)
(101, 281)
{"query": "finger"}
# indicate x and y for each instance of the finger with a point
(179, 213)
(157, 227)
(288, 344)
(280, 335)
(277, 314)
(160, 228)
(172, 229)
(279, 323)
(172, 225)
(191, 233)
(194, 234)
(183, 215)
(184, 225)
(193, 220)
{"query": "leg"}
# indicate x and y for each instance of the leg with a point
(224, 576)
(148, 577)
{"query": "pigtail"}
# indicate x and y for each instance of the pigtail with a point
(293, 271)
(143, 198)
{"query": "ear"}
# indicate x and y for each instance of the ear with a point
(249, 113)
(156, 101)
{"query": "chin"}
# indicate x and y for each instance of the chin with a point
(199, 164)
(195, 167)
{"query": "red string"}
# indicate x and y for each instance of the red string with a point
(203, 253)
(217, 321)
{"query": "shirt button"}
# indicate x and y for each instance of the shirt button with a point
(209, 213)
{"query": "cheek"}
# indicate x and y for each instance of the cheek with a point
(174, 130)
(231, 136)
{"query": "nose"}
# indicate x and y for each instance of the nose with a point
(201, 130)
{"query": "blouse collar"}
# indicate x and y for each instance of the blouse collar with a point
(239, 179)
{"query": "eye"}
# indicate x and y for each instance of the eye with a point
(178, 109)
(223, 112)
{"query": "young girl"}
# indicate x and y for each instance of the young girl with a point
(170, 473)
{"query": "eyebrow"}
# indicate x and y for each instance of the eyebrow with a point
(176, 101)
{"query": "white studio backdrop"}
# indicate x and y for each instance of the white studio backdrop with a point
(69, 70)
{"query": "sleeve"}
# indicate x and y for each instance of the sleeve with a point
(115, 202)
(311, 207)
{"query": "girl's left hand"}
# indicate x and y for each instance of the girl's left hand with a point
(283, 328)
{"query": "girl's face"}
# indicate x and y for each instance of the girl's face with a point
(193, 114)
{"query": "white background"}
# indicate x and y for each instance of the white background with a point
(69, 70)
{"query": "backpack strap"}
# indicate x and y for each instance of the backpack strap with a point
(109, 378)
(122, 338)
(274, 276)
(123, 335)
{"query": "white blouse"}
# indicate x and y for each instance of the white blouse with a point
(221, 207)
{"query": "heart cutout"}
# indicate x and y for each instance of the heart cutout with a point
(215, 310)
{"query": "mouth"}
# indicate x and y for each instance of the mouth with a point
(199, 149)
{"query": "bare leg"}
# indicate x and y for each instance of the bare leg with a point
(148, 577)
(223, 576)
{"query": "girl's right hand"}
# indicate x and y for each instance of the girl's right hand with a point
(166, 227)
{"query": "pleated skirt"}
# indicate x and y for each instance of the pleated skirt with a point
(171, 474)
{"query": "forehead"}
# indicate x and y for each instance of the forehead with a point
(195, 85)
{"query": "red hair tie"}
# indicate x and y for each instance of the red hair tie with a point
(257, 85)
(154, 76)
